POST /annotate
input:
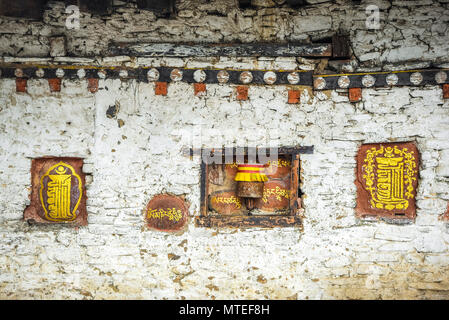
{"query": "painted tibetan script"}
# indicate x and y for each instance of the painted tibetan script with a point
(58, 192)
(387, 179)
(166, 213)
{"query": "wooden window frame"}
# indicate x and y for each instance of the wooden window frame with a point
(291, 219)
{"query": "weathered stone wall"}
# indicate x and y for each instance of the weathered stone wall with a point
(334, 256)
(412, 32)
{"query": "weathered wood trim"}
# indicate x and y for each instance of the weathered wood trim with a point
(188, 152)
(159, 7)
(28, 9)
(223, 50)
(248, 221)
(385, 79)
(294, 183)
(341, 47)
(413, 78)
(204, 189)
(141, 74)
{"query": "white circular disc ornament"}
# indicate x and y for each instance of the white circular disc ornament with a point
(223, 76)
(18, 73)
(81, 73)
(269, 77)
(441, 77)
(343, 82)
(60, 73)
(293, 78)
(416, 78)
(40, 73)
(153, 75)
(176, 75)
(199, 76)
(319, 83)
(392, 79)
(246, 77)
(368, 80)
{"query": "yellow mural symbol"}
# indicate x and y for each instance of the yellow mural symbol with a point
(228, 200)
(58, 203)
(278, 192)
(170, 213)
(389, 176)
(280, 163)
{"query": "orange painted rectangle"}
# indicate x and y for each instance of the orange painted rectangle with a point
(21, 85)
(294, 96)
(199, 88)
(55, 84)
(160, 89)
(446, 91)
(355, 94)
(92, 85)
(242, 92)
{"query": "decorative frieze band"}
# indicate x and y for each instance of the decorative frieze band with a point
(381, 79)
(162, 74)
(227, 76)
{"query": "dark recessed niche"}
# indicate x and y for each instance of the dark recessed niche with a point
(280, 205)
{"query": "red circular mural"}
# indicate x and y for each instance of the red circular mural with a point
(166, 213)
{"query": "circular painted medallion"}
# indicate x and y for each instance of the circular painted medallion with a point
(199, 76)
(166, 213)
(269, 77)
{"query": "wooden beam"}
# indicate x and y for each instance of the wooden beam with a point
(248, 221)
(100, 7)
(226, 50)
(159, 7)
(296, 3)
(243, 4)
(31, 9)
(340, 47)
(189, 152)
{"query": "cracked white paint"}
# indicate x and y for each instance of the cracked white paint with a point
(335, 256)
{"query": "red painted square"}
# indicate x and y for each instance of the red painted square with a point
(92, 85)
(58, 192)
(55, 84)
(387, 180)
(355, 94)
(294, 96)
(446, 91)
(21, 85)
(199, 88)
(160, 89)
(242, 92)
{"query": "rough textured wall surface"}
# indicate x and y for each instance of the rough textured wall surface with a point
(128, 161)
(410, 32)
(335, 256)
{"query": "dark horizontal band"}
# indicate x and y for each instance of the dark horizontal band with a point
(381, 79)
(228, 76)
(162, 74)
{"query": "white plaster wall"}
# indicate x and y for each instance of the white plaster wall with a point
(335, 256)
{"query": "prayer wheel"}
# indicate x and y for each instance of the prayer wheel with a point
(250, 182)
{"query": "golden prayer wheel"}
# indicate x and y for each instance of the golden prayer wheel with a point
(250, 182)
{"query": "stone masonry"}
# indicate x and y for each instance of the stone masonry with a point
(135, 153)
